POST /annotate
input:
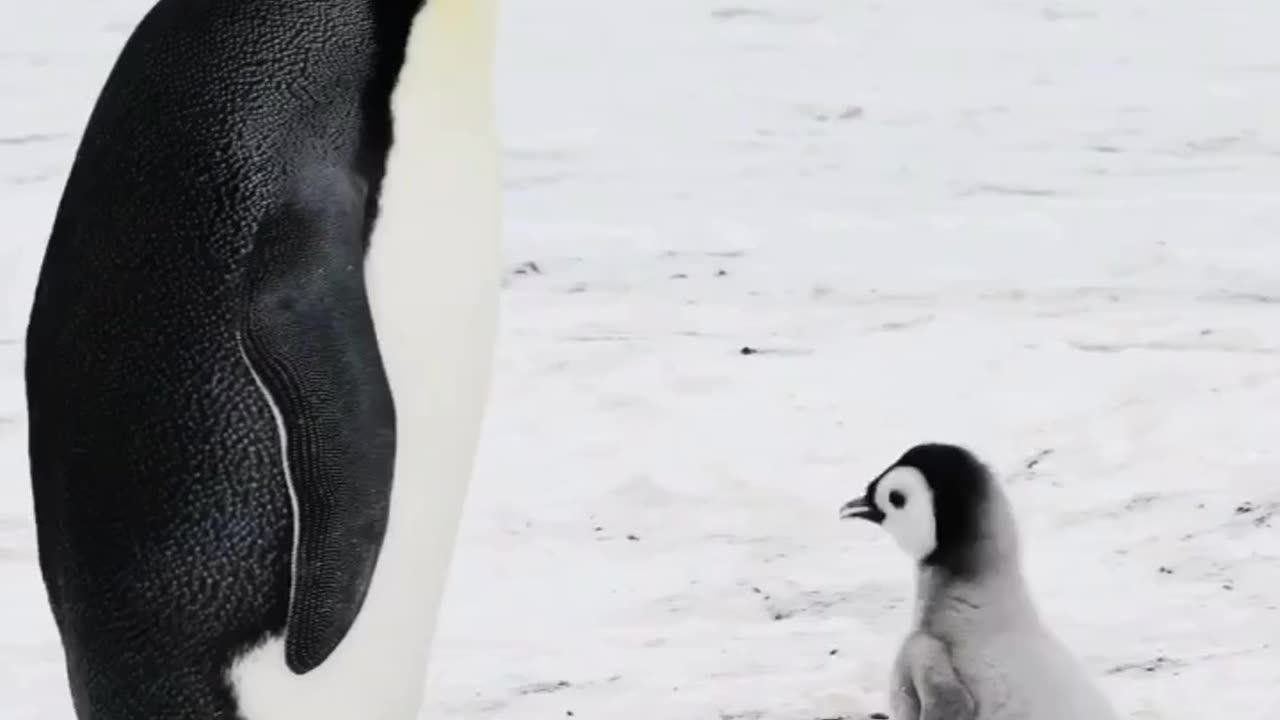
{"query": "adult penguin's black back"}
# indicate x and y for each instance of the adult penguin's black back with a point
(246, 498)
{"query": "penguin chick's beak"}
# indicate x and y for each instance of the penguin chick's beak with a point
(861, 509)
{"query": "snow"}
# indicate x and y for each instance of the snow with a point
(1045, 229)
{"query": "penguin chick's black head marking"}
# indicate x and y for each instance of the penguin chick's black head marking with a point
(933, 502)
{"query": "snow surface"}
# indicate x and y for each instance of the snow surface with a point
(1044, 229)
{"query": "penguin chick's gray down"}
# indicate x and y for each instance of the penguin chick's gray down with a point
(978, 649)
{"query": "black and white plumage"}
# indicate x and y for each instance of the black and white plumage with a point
(258, 357)
(979, 649)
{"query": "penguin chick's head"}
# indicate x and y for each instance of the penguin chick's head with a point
(933, 501)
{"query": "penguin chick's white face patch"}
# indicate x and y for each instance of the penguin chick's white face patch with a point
(903, 495)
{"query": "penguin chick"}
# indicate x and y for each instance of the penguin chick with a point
(978, 649)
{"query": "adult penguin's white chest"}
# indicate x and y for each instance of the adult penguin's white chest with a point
(433, 273)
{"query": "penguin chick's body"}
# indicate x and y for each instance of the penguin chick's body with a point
(978, 649)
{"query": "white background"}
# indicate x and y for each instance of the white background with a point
(1050, 230)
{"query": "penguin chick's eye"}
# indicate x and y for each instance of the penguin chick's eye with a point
(897, 499)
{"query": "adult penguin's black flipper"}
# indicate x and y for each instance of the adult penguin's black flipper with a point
(309, 339)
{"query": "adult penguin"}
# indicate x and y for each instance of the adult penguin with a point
(259, 355)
